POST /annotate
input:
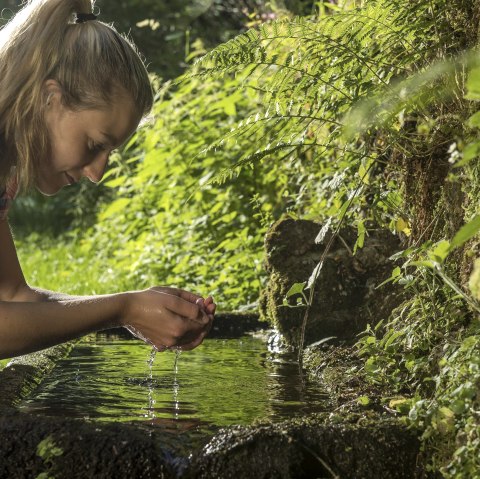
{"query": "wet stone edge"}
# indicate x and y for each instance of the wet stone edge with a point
(311, 447)
(24, 373)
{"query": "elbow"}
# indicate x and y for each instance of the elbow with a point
(14, 292)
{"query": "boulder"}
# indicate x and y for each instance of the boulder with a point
(313, 447)
(346, 296)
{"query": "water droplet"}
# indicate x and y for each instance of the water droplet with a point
(150, 361)
(176, 386)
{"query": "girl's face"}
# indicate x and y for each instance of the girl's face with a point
(81, 141)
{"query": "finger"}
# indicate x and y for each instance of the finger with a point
(186, 330)
(211, 308)
(179, 306)
(201, 303)
(208, 327)
(205, 318)
(193, 334)
(181, 293)
(201, 320)
(193, 344)
(194, 341)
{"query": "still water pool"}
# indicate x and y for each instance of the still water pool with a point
(221, 383)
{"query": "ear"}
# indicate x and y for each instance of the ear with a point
(52, 92)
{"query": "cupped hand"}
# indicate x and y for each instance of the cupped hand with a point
(169, 317)
(207, 305)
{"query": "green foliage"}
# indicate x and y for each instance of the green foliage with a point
(61, 264)
(48, 449)
(270, 106)
(428, 350)
(451, 414)
(429, 347)
(308, 74)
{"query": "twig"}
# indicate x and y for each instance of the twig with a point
(322, 259)
(321, 461)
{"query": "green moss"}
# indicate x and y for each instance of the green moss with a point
(47, 449)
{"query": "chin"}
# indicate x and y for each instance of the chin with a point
(48, 190)
(44, 193)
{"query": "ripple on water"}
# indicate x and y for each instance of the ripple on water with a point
(221, 383)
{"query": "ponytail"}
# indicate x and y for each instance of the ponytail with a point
(91, 61)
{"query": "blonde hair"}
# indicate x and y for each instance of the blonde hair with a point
(91, 61)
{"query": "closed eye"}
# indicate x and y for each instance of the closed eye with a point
(97, 147)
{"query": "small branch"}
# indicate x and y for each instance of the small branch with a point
(321, 461)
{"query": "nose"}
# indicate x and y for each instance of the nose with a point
(95, 170)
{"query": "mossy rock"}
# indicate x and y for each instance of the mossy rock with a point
(24, 373)
(42, 447)
(346, 297)
(314, 447)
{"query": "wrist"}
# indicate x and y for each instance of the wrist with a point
(125, 309)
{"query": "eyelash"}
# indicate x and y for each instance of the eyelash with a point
(97, 147)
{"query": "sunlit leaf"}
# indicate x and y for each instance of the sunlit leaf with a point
(363, 400)
(466, 232)
(296, 288)
(119, 205)
(440, 251)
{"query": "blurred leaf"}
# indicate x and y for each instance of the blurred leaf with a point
(466, 232)
(473, 84)
(363, 400)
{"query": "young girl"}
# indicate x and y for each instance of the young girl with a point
(71, 91)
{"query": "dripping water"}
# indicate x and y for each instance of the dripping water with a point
(176, 386)
(151, 385)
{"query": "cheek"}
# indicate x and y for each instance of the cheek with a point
(68, 146)
(66, 156)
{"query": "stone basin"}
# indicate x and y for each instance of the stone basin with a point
(314, 446)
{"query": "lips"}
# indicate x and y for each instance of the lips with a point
(71, 180)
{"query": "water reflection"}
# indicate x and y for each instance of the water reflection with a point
(223, 382)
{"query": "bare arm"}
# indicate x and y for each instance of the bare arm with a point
(27, 326)
(11, 276)
(32, 319)
(34, 294)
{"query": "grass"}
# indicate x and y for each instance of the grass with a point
(62, 265)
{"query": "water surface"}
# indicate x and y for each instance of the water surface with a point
(221, 383)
